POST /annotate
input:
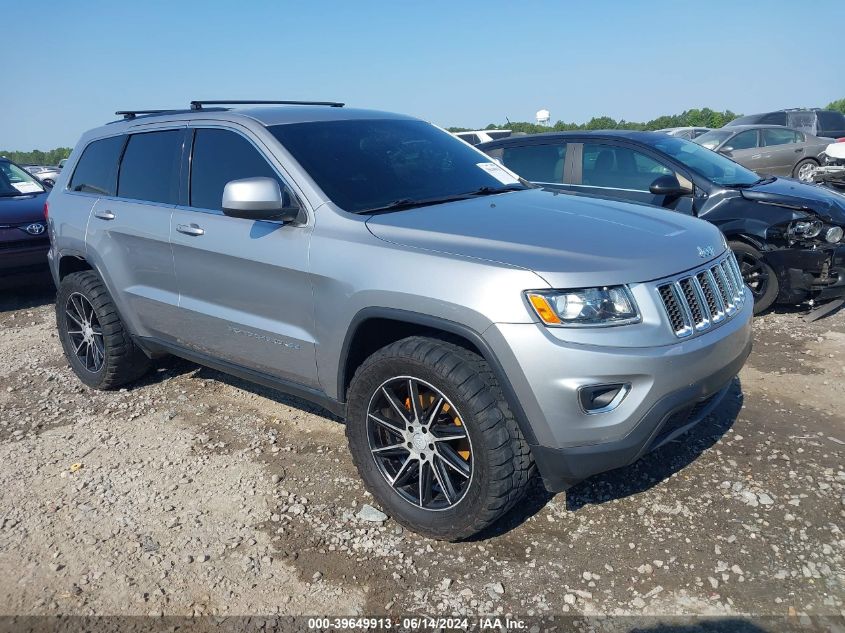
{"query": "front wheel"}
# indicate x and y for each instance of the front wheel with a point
(434, 439)
(760, 278)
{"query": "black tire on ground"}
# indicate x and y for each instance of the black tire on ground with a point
(501, 463)
(120, 361)
(757, 275)
(803, 165)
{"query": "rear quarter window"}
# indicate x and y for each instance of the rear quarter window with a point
(96, 171)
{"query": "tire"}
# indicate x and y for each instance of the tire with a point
(757, 275)
(803, 170)
(494, 451)
(104, 356)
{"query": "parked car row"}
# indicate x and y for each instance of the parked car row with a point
(47, 175)
(786, 235)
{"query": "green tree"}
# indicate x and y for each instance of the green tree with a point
(704, 117)
(36, 156)
(838, 105)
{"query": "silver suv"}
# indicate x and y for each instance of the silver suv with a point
(469, 327)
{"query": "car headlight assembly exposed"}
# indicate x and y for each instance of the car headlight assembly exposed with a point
(585, 307)
(833, 234)
(804, 229)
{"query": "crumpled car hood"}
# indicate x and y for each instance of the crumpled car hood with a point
(570, 241)
(828, 204)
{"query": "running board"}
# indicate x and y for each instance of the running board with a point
(153, 346)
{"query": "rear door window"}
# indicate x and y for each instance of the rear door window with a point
(779, 136)
(537, 163)
(744, 140)
(220, 156)
(619, 168)
(149, 170)
(96, 171)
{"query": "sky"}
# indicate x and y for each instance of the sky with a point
(70, 65)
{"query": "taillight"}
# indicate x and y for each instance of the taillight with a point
(46, 211)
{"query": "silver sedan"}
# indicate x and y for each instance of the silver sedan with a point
(768, 149)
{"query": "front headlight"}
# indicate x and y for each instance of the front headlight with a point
(596, 307)
(833, 234)
(804, 229)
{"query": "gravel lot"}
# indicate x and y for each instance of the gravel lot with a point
(196, 493)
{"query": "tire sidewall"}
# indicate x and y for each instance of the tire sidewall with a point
(70, 285)
(772, 288)
(428, 522)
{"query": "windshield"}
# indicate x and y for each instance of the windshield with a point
(368, 164)
(712, 166)
(15, 181)
(712, 139)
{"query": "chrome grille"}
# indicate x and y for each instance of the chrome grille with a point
(708, 296)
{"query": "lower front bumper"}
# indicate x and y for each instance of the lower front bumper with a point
(805, 273)
(15, 261)
(673, 415)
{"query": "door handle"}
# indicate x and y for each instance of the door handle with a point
(104, 215)
(799, 150)
(190, 229)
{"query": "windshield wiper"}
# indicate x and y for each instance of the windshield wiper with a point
(746, 185)
(410, 203)
(489, 191)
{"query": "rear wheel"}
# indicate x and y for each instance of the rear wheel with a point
(434, 439)
(96, 344)
(757, 275)
(803, 171)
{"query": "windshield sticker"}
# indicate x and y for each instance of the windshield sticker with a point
(499, 173)
(27, 187)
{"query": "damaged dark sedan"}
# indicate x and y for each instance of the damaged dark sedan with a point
(787, 235)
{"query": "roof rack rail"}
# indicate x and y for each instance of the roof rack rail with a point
(131, 114)
(198, 105)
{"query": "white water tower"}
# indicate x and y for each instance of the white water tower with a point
(543, 117)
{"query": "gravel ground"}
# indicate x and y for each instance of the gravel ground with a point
(195, 493)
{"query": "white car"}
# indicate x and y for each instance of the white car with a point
(475, 137)
(832, 170)
(47, 175)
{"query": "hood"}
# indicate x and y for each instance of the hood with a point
(835, 150)
(570, 241)
(23, 208)
(828, 204)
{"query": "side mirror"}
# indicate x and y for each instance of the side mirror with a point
(727, 150)
(668, 186)
(258, 199)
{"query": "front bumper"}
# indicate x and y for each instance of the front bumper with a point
(672, 387)
(20, 258)
(807, 273)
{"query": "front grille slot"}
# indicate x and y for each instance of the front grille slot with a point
(703, 299)
(14, 244)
